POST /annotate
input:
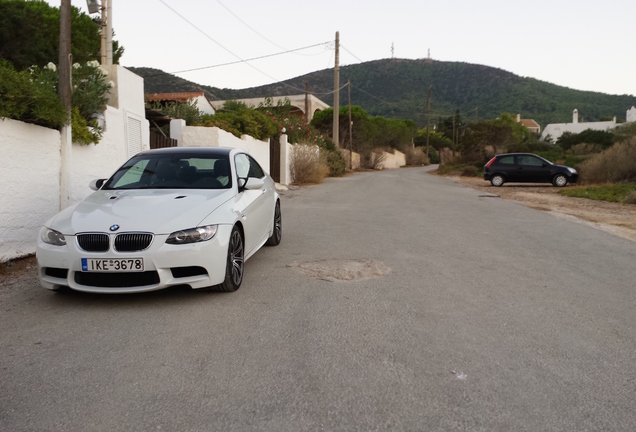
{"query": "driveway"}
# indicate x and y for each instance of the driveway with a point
(397, 300)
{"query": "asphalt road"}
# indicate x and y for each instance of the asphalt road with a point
(493, 317)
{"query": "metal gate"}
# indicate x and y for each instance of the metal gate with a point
(274, 159)
(160, 141)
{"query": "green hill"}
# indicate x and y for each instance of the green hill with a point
(399, 88)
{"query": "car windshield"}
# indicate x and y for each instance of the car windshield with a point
(169, 171)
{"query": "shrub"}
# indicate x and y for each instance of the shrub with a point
(307, 165)
(336, 163)
(631, 198)
(625, 131)
(372, 160)
(615, 165)
(433, 156)
(415, 156)
(188, 111)
(469, 171)
(589, 136)
(31, 96)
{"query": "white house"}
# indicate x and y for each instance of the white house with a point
(553, 131)
(302, 105)
(631, 115)
(199, 99)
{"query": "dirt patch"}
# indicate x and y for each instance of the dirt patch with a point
(343, 270)
(615, 218)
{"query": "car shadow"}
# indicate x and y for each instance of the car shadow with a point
(181, 294)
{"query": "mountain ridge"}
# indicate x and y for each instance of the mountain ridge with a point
(398, 88)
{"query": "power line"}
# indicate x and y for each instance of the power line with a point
(256, 31)
(356, 57)
(241, 61)
(227, 49)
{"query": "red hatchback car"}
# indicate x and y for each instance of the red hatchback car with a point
(527, 168)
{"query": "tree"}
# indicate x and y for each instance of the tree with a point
(30, 34)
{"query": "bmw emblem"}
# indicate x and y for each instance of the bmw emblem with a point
(114, 227)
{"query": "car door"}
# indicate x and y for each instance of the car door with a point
(253, 204)
(532, 169)
(506, 166)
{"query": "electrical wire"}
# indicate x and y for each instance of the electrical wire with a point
(259, 33)
(228, 50)
(240, 61)
(355, 56)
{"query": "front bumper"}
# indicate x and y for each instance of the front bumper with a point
(198, 265)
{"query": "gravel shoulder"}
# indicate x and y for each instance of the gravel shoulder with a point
(617, 219)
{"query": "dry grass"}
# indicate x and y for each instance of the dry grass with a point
(415, 156)
(617, 164)
(631, 198)
(308, 165)
(372, 160)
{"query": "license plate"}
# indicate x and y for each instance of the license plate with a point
(113, 265)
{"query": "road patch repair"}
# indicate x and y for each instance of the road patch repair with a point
(343, 270)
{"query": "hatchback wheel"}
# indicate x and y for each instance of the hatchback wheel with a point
(560, 180)
(497, 180)
(235, 263)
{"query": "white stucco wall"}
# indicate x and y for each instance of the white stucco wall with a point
(355, 156)
(393, 160)
(31, 173)
(201, 136)
(630, 116)
(118, 143)
(286, 153)
(30, 178)
(555, 130)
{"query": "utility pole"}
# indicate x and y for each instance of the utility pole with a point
(350, 129)
(307, 102)
(453, 134)
(103, 33)
(477, 114)
(109, 33)
(336, 94)
(64, 90)
(428, 116)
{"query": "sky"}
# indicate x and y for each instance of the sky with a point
(584, 45)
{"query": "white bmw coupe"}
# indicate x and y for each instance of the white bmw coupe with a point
(176, 216)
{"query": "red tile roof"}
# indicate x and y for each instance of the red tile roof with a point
(172, 97)
(529, 123)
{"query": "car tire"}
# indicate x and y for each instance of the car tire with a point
(497, 180)
(277, 233)
(235, 263)
(559, 180)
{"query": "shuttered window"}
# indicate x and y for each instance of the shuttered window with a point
(133, 132)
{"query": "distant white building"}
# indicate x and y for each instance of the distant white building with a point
(631, 115)
(553, 131)
(199, 99)
(300, 104)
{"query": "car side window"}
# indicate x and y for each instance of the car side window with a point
(530, 161)
(242, 165)
(507, 160)
(255, 169)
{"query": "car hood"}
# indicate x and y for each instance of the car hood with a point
(150, 210)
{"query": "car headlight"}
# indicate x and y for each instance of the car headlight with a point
(572, 170)
(192, 235)
(52, 237)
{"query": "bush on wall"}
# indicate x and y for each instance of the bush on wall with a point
(31, 96)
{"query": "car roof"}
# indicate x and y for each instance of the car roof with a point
(210, 151)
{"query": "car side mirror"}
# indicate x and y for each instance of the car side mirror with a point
(254, 183)
(96, 184)
(544, 165)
